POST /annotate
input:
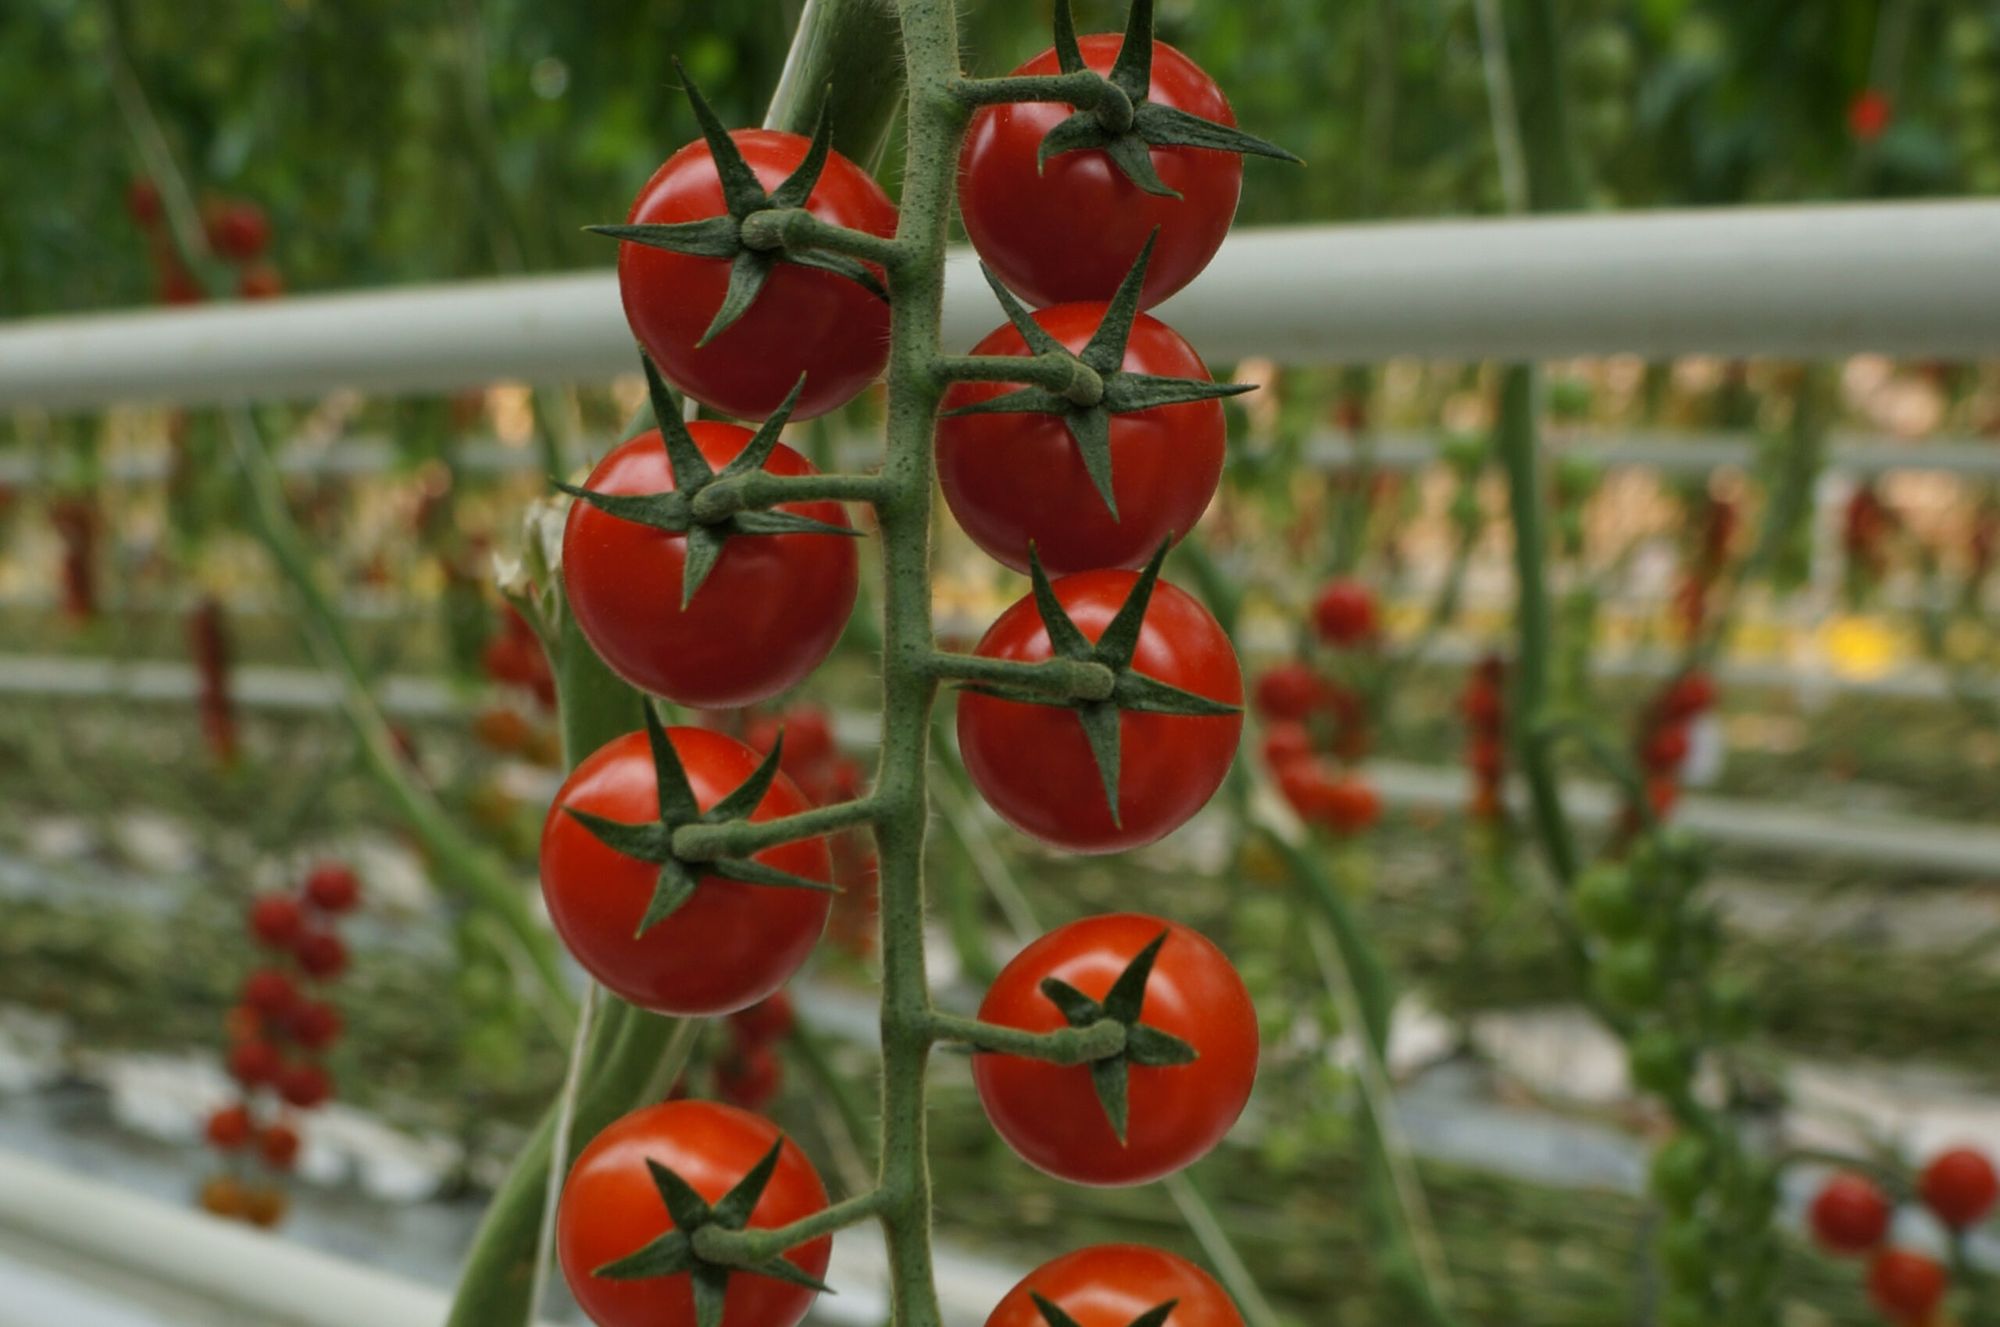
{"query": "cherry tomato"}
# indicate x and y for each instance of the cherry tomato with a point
(333, 887)
(1342, 803)
(264, 1206)
(304, 1085)
(278, 1145)
(314, 1024)
(142, 201)
(1033, 764)
(254, 1062)
(1288, 691)
(321, 954)
(748, 1076)
(826, 326)
(1906, 1287)
(1016, 479)
(610, 1208)
(1050, 1114)
(1690, 694)
(1112, 1285)
(1069, 229)
(770, 1019)
(1960, 1187)
(270, 992)
(260, 281)
(729, 945)
(1667, 748)
(767, 615)
(1849, 1215)
(1344, 613)
(275, 920)
(1483, 706)
(223, 1195)
(229, 1127)
(237, 230)
(1285, 743)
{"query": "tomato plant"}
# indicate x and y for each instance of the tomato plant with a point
(1116, 1285)
(1158, 1108)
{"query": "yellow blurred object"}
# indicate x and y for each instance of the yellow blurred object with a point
(1859, 647)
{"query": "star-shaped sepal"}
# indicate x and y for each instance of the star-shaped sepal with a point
(1089, 425)
(721, 237)
(1123, 124)
(1144, 1045)
(653, 841)
(1158, 1316)
(1131, 689)
(673, 1254)
(674, 511)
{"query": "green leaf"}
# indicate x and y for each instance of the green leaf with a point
(1069, 55)
(1130, 154)
(1079, 133)
(1052, 1315)
(1090, 430)
(749, 794)
(785, 522)
(1139, 694)
(1133, 69)
(747, 272)
(758, 450)
(798, 186)
(732, 1210)
(1100, 728)
(1105, 351)
(688, 466)
(1167, 126)
(710, 237)
(704, 546)
(1078, 1009)
(1112, 1078)
(1127, 392)
(711, 1292)
(740, 190)
(660, 511)
(1120, 640)
(1065, 639)
(669, 1255)
(840, 265)
(1156, 1049)
(678, 805)
(646, 843)
(1036, 336)
(672, 888)
(748, 871)
(688, 1208)
(1128, 994)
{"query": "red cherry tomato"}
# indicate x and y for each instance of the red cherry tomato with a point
(275, 920)
(1905, 1287)
(1960, 1187)
(253, 1063)
(142, 201)
(1050, 1114)
(270, 992)
(768, 614)
(728, 946)
(804, 320)
(1033, 764)
(770, 1019)
(610, 1207)
(1012, 480)
(1667, 748)
(1849, 1215)
(278, 1145)
(1483, 706)
(260, 281)
(748, 1076)
(1285, 743)
(333, 887)
(1021, 216)
(1690, 694)
(321, 954)
(1112, 1285)
(237, 230)
(304, 1085)
(229, 1127)
(1288, 691)
(314, 1024)
(1344, 613)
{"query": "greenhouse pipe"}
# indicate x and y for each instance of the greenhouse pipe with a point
(1916, 279)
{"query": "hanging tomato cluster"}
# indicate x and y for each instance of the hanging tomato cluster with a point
(1484, 706)
(1851, 1214)
(1316, 723)
(1715, 533)
(280, 1030)
(236, 231)
(1083, 471)
(1665, 737)
(208, 643)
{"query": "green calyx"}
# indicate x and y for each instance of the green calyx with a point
(653, 841)
(1144, 1045)
(1122, 123)
(673, 1254)
(1089, 422)
(1053, 1315)
(676, 512)
(751, 256)
(1130, 689)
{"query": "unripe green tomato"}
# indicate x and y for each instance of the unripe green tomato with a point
(1628, 975)
(1731, 1008)
(1465, 512)
(1685, 1253)
(1608, 903)
(1659, 1062)
(1568, 398)
(1680, 1173)
(1683, 853)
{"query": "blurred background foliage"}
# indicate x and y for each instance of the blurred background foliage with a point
(406, 140)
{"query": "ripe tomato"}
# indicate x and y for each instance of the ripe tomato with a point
(1016, 479)
(1960, 1187)
(1344, 613)
(333, 887)
(229, 1127)
(748, 1076)
(270, 992)
(1285, 743)
(767, 615)
(314, 1024)
(729, 945)
(1690, 694)
(260, 281)
(321, 954)
(142, 201)
(278, 1145)
(1288, 691)
(1112, 1285)
(1905, 1287)
(1033, 764)
(1849, 1215)
(252, 1063)
(1050, 1114)
(304, 1085)
(610, 1208)
(770, 1019)
(275, 920)
(1342, 803)
(1021, 215)
(804, 320)
(1666, 749)
(237, 230)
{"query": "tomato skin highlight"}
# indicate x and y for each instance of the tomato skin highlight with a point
(1111, 1285)
(766, 616)
(1015, 479)
(1032, 763)
(1021, 217)
(728, 946)
(1050, 1114)
(803, 320)
(1849, 1215)
(611, 1208)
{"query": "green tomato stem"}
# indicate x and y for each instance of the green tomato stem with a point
(760, 488)
(795, 228)
(1083, 1045)
(740, 838)
(747, 1248)
(1058, 371)
(1084, 90)
(1059, 679)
